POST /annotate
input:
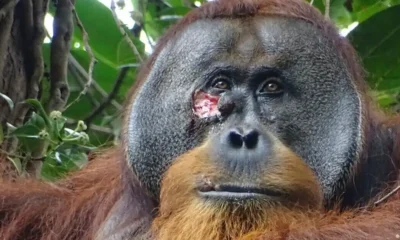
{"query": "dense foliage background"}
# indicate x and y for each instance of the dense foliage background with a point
(105, 44)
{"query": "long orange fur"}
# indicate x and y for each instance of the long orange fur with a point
(75, 208)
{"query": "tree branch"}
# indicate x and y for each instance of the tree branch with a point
(34, 32)
(124, 33)
(117, 84)
(75, 64)
(92, 59)
(94, 127)
(6, 21)
(327, 8)
(63, 27)
(391, 193)
(81, 80)
(6, 7)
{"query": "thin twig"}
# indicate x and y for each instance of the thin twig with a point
(92, 59)
(149, 41)
(79, 73)
(94, 127)
(387, 195)
(75, 64)
(124, 33)
(327, 8)
(117, 84)
(80, 80)
(35, 27)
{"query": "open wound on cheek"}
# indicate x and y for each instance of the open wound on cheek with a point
(205, 104)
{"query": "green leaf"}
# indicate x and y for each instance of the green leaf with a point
(106, 39)
(155, 27)
(38, 106)
(359, 5)
(8, 100)
(377, 42)
(28, 134)
(58, 163)
(365, 9)
(139, 5)
(176, 11)
(319, 4)
(110, 49)
(57, 126)
(386, 100)
(339, 14)
(32, 127)
(173, 3)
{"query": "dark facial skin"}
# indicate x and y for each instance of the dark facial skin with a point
(282, 76)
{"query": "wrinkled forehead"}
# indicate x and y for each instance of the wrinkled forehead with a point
(248, 41)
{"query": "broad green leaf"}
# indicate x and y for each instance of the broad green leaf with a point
(105, 74)
(359, 5)
(28, 134)
(32, 127)
(173, 3)
(364, 9)
(106, 39)
(38, 106)
(363, 5)
(338, 12)
(386, 100)
(153, 25)
(175, 11)
(377, 42)
(58, 163)
(319, 4)
(109, 47)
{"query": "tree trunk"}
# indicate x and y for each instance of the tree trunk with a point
(22, 34)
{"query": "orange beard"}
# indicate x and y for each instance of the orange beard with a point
(183, 214)
(197, 221)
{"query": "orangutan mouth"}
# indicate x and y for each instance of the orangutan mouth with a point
(236, 192)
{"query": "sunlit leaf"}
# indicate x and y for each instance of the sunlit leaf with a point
(364, 9)
(377, 42)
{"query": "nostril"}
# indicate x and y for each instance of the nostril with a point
(235, 139)
(251, 139)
